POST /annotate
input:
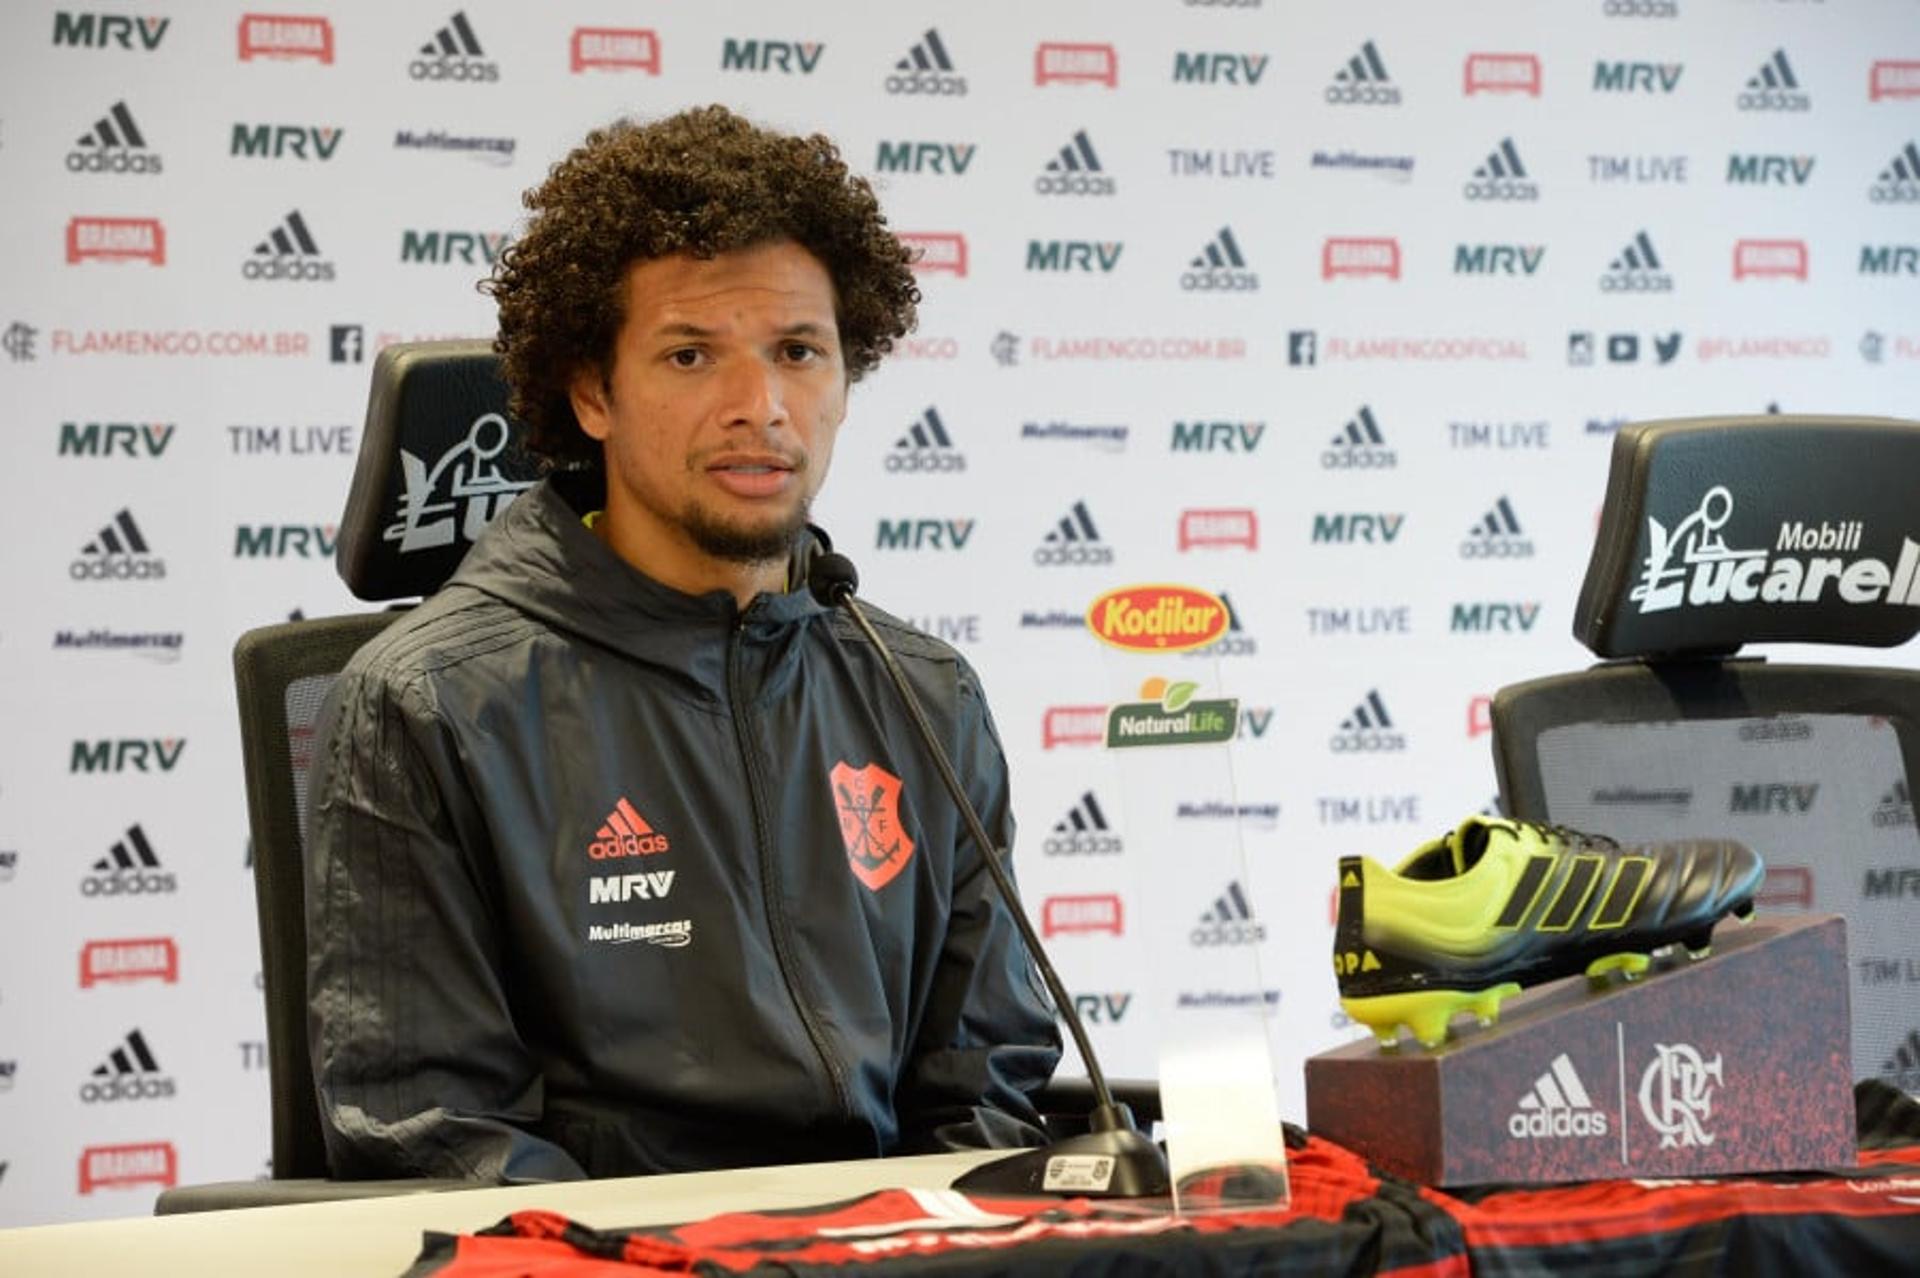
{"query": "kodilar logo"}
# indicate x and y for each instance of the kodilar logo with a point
(1157, 618)
(1709, 572)
(1170, 715)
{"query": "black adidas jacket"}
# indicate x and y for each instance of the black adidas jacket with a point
(582, 892)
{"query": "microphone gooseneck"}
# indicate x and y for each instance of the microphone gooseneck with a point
(1138, 1168)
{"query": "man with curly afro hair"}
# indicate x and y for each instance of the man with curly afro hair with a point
(619, 857)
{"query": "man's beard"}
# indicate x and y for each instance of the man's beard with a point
(744, 545)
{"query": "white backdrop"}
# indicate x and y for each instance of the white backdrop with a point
(1138, 306)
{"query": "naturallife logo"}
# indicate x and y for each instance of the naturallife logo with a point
(1169, 714)
(1556, 1106)
(114, 144)
(1709, 572)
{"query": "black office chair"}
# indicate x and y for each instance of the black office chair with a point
(439, 460)
(1675, 735)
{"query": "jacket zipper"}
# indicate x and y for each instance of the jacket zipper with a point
(776, 912)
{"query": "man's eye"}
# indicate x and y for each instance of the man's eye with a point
(800, 352)
(687, 358)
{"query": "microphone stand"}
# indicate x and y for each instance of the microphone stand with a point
(1113, 1159)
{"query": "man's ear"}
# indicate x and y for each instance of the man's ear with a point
(592, 401)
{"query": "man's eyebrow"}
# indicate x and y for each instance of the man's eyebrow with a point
(804, 328)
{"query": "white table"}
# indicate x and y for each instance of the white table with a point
(381, 1236)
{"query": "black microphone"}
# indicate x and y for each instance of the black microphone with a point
(1135, 1167)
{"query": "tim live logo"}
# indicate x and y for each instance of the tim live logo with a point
(265, 35)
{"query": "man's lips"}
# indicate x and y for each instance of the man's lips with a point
(752, 474)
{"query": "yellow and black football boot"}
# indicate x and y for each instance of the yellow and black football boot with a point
(1476, 915)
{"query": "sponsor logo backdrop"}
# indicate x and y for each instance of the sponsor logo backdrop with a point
(1330, 309)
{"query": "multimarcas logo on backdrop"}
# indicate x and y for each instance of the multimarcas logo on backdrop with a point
(1809, 563)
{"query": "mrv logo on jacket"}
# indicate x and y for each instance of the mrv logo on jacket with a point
(1808, 563)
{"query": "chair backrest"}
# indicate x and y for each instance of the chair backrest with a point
(1716, 533)
(282, 674)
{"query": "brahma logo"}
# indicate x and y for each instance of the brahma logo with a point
(116, 239)
(614, 49)
(1890, 79)
(1073, 725)
(936, 251)
(1082, 915)
(1711, 573)
(1503, 73)
(264, 35)
(1764, 258)
(1157, 618)
(1207, 528)
(1347, 256)
(1076, 64)
(121, 1166)
(154, 958)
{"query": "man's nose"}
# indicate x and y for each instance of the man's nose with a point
(754, 394)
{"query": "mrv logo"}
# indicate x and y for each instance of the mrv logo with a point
(926, 447)
(1890, 259)
(284, 541)
(1494, 617)
(454, 53)
(1709, 572)
(125, 755)
(925, 157)
(650, 885)
(771, 55)
(442, 247)
(1769, 170)
(104, 30)
(113, 145)
(1347, 529)
(104, 439)
(1557, 1105)
(288, 253)
(1073, 255)
(923, 534)
(1219, 68)
(1773, 798)
(1502, 177)
(279, 141)
(1217, 437)
(1075, 171)
(1220, 267)
(1498, 259)
(1636, 77)
(118, 553)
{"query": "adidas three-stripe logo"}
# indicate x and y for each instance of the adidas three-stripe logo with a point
(1362, 430)
(926, 432)
(1223, 250)
(1231, 907)
(928, 55)
(1502, 161)
(1363, 66)
(1076, 156)
(1774, 73)
(115, 128)
(1637, 256)
(1370, 713)
(1557, 1105)
(121, 537)
(1905, 166)
(131, 1057)
(1075, 525)
(625, 833)
(1498, 522)
(454, 40)
(1084, 815)
(1556, 907)
(131, 853)
(290, 238)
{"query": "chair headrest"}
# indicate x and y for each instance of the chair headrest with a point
(439, 460)
(1721, 531)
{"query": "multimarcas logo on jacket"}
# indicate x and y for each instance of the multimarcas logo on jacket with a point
(868, 798)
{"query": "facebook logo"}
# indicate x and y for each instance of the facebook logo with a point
(1301, 347)
(346, 343)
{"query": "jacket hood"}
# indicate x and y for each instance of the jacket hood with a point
(539, 557)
